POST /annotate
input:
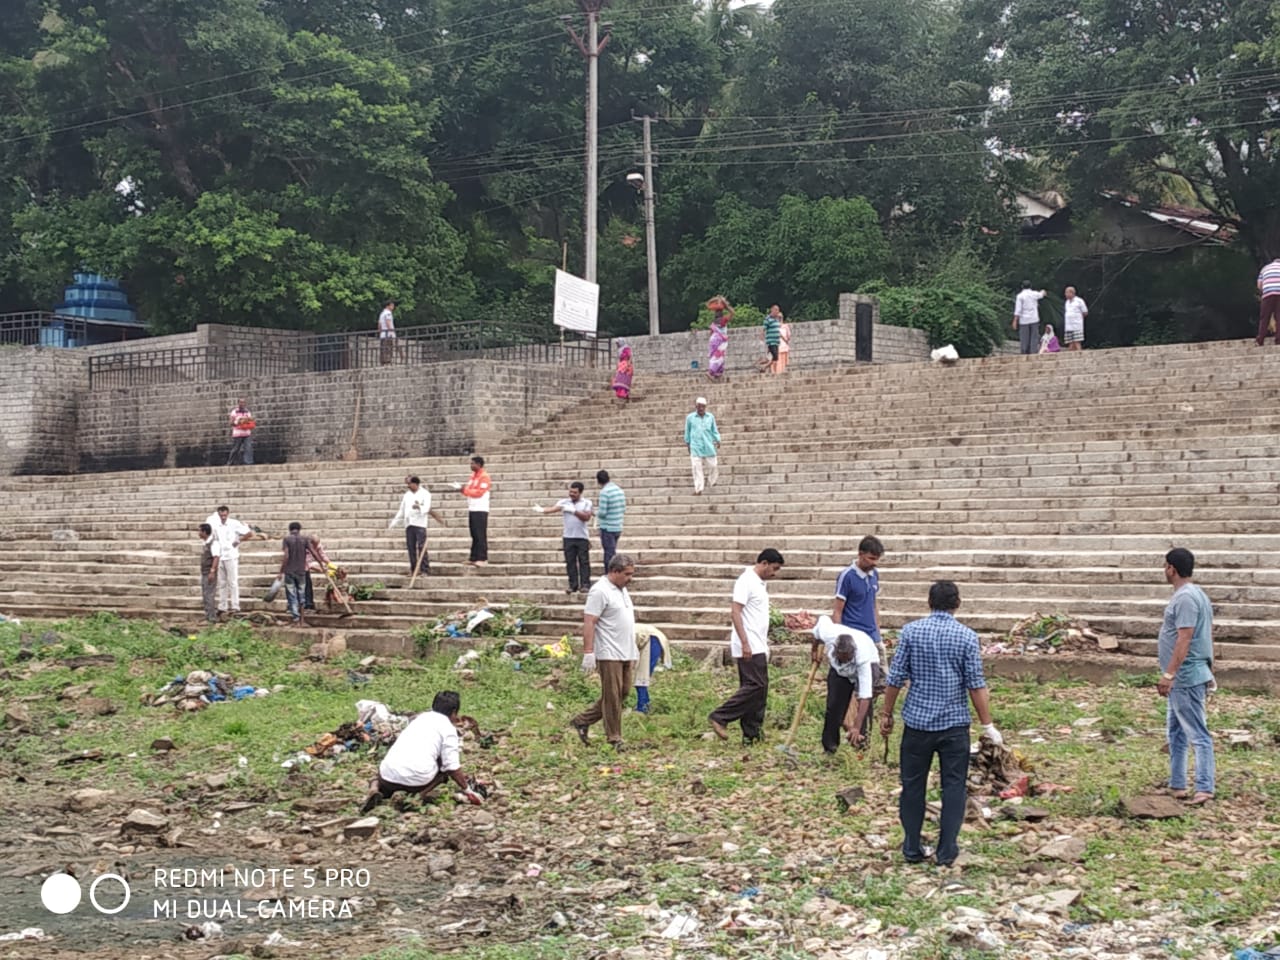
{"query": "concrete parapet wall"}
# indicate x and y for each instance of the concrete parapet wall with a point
(40, 392)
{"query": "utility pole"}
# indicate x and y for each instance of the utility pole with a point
(650, 238)
(591, 48)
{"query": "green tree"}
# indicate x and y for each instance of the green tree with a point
(1134, 97)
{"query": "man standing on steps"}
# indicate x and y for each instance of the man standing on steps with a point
(209, 555)
(477, 493)
(940, 659)
(293, 571)
(1269, 311)
(1185, 649)
(609, 647)
(1074, 310)
(610, 509)
(1026, 317)
(576, 510)
(702, 437)
(415, 507)
(857, 600)
(242, 425)
(749, 647)
(229, 533)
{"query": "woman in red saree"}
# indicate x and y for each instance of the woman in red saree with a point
(622, 376)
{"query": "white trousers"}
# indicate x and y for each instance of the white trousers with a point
(229, 584)
(701, 464)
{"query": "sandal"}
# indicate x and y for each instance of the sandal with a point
(1200, 799)
(1178, 793)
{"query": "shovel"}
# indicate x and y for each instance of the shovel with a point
(786, 748)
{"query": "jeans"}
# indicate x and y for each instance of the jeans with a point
(295, 592)
(577, 562)
(1188, 728)
(609, 544)
(914, 760)
(241, 451)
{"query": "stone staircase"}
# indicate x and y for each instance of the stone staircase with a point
(1050, 484)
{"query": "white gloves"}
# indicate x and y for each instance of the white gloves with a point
(536, 508)
(588, 662)
(991, 733)
(456, 486)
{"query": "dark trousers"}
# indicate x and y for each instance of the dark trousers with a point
(748, 702)
(209, 594)
(478, 523)
(415, 541)
(840, 692)
(914, 760)
(1270, 308)
(609, 544)
(241, 451)
(577, 562)
(310, 599)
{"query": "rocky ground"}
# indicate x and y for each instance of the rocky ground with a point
(679, 847)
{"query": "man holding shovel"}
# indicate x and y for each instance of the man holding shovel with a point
(749, 646)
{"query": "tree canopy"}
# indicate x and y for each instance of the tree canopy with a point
(295, 164)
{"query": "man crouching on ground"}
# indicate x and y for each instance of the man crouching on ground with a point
(425, 754)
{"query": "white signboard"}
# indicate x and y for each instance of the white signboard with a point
(577, 303)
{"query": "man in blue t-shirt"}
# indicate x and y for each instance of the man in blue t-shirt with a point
(1185, 649)
(857, 602)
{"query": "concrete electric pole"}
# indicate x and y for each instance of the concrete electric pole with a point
(591, 48)
(650, 238)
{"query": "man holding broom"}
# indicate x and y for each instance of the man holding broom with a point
(415, 507)
(749, 646)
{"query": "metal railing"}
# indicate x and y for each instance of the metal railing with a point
(244, 353)
(38, 327)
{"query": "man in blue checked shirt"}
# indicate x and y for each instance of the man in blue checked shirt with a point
(939, 657)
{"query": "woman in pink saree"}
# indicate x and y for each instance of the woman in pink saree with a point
(718, 344)
(622, 375)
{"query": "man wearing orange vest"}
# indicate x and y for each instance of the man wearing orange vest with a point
(477, 493)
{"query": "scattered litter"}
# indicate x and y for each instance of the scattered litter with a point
(1053, 633)
(1252, 953)
(200, 688)
(946, 354)
(16, 622)
(681, 926)
(278, 939)
(205, 931)
(26, 933)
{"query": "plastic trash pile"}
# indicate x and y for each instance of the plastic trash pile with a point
(201, 688)
(375, 726)
(1053, 633)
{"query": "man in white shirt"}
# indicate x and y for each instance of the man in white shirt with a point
(609, 647)
(853, 665)
(387, 332)
(749, 646)
(415, 507)
(1026, 317)
(426, 753)
(1074, 310)
(229, 532)
(576, 510)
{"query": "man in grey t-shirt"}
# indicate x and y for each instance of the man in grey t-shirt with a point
(609, 646)
(576, 510)
(1185, 649)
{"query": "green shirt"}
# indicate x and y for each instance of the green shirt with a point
(701, 434)
(610, 507)
(772, 331)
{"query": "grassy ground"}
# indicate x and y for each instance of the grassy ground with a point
(584, 853)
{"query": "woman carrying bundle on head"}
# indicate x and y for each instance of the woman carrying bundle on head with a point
(718, 344)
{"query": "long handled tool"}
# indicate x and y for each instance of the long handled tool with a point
(337, 591)
(795, 723)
